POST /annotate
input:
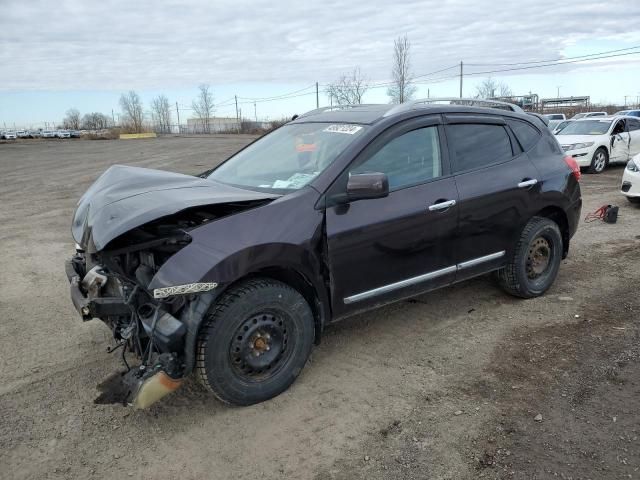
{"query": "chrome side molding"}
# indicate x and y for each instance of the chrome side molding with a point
(422, 278)
(479, 260)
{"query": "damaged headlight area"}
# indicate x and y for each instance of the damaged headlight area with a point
(165, 292)
(113, 285)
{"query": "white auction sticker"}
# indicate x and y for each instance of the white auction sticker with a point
(343, 128)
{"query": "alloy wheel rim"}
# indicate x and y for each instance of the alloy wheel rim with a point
(600, 161)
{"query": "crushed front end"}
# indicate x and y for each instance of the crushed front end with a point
(113, 285)
(127, 225)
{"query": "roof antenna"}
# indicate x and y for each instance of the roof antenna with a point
(294, 117)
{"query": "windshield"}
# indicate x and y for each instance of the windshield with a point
(288, 158)
(586, 127)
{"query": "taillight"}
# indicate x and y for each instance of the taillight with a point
(573, 165)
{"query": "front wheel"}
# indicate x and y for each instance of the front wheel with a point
(599, 161)
(254, 342)
(534, 264)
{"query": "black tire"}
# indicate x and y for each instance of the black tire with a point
(634, 200)
(528, 274)
(254, 342)
(599, 161)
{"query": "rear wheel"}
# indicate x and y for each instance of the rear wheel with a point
(255, 341)
(535, 261)
(599, 161)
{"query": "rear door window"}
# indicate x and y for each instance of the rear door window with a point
(478, 145)
(633, 124)
(526, 133)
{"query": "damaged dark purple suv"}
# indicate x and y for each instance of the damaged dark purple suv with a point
(233, 275)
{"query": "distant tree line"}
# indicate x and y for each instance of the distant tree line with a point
(90, 121)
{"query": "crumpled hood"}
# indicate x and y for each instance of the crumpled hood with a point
(123, 198)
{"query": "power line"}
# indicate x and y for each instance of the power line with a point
(437, 71)
(552, 64)
(275, 97)
(517, 66)
(552, 60)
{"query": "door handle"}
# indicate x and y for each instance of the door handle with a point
(527, 183)
(441, 206)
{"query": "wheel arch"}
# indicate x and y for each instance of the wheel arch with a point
(559, 216)
(315, 296)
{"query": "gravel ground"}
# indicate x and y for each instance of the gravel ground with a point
(461, 383)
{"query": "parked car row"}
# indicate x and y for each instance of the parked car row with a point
(12, 135)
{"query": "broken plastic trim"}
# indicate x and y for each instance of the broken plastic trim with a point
(165, 292)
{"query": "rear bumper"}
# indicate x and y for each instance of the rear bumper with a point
(573, 215)
(87, 307)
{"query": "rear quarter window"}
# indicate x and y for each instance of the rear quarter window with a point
(526, 134)
(478, 145)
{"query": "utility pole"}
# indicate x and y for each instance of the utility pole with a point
(558, 87)
(255, 111)
(113, 118)
(461, 79)
(317, 97)
(178, 115)
(428, 92)
(237, 114)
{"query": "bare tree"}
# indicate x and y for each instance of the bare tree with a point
(490, 88)
(348, 89)
(95, 121)
(132, 112)
(161, 113)
(204, 107)
(402, 88)
(72, 119)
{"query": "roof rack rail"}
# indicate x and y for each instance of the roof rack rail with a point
(469, 102)
(334, 107)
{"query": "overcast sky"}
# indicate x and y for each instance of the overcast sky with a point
(83, 54)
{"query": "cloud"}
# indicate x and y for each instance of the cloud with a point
(115, 45)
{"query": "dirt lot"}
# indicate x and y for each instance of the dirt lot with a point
(444, 386)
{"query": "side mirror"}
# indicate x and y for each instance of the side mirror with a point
(367, 185)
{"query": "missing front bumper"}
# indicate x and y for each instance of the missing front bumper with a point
(89, 308)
